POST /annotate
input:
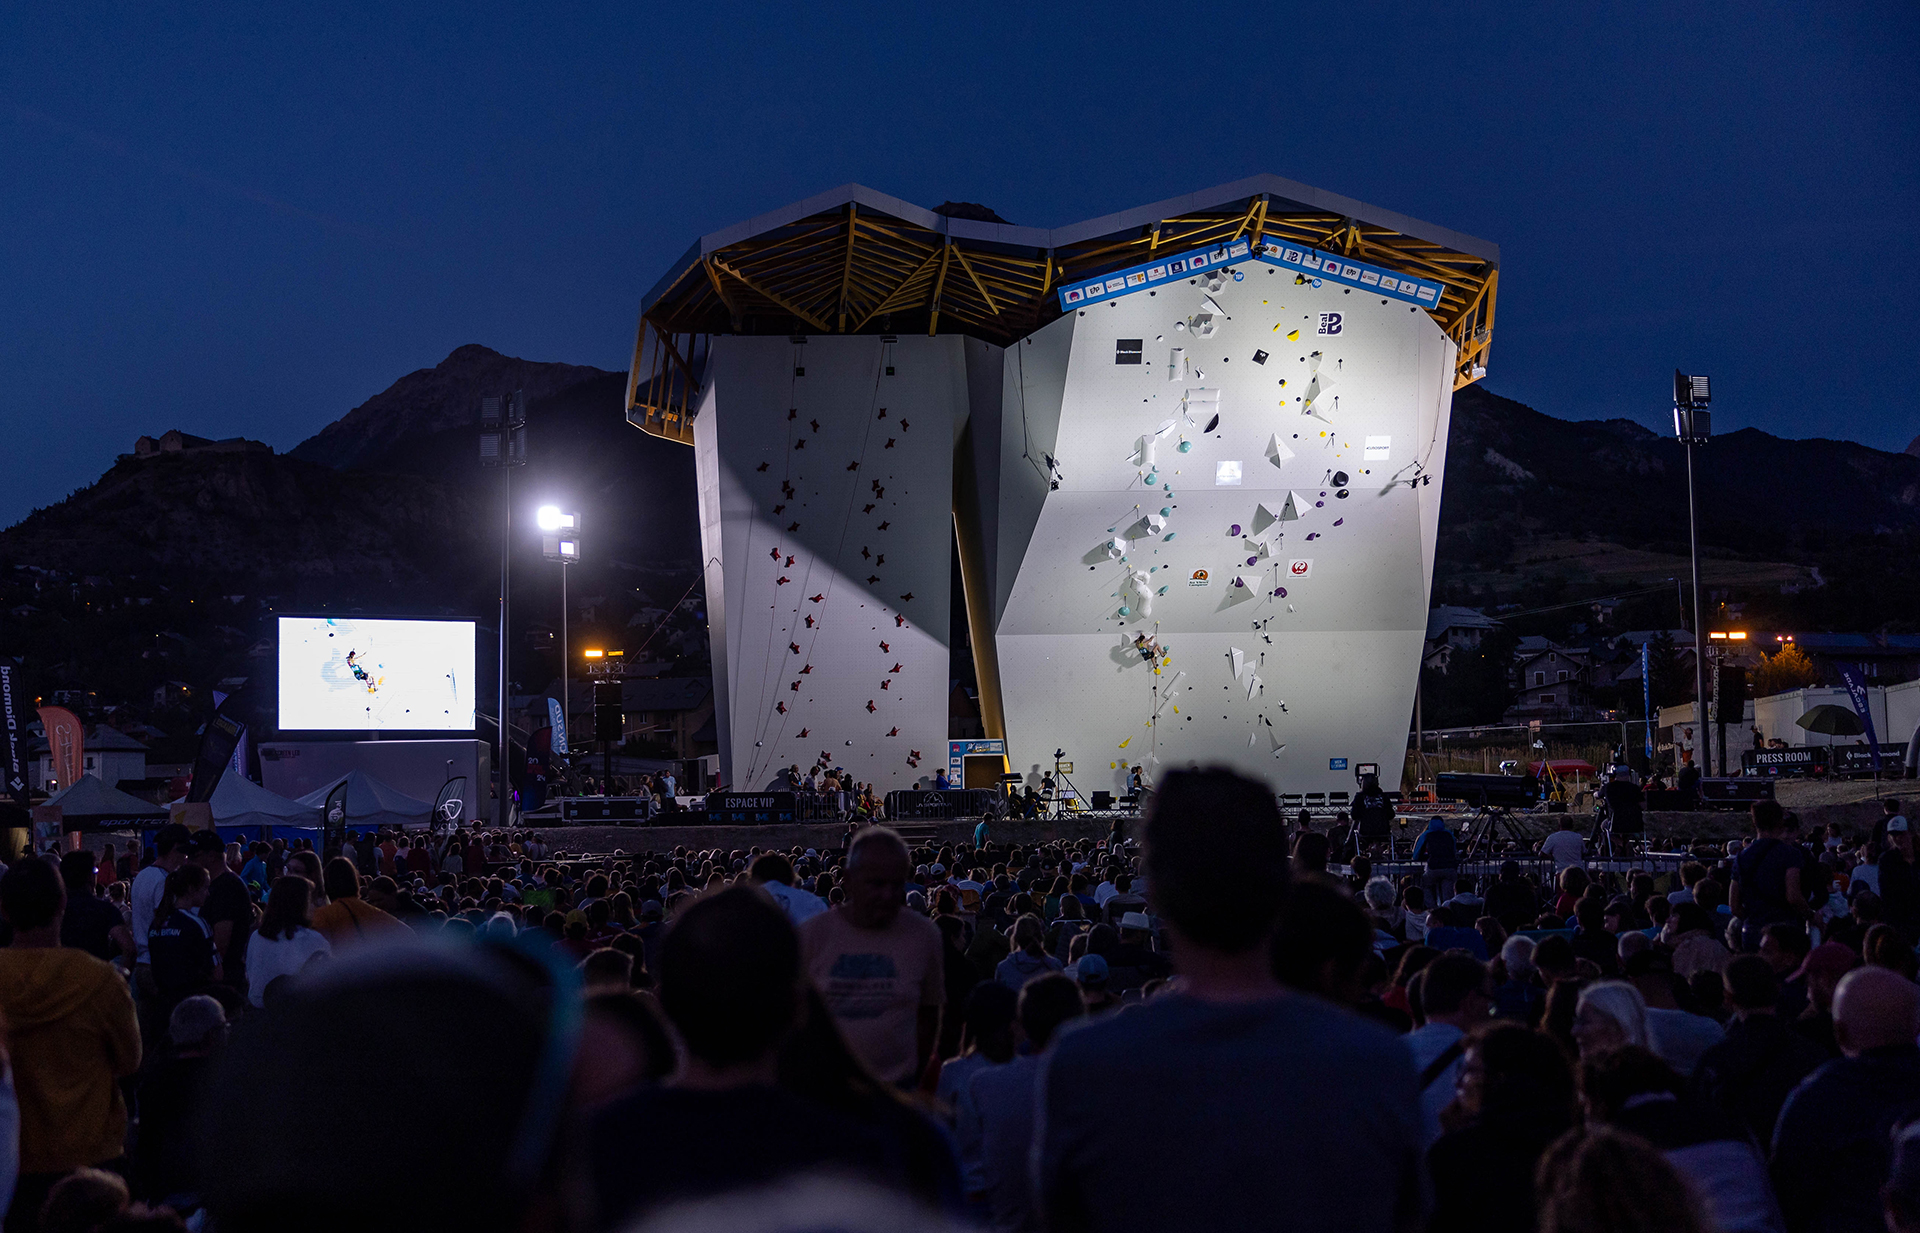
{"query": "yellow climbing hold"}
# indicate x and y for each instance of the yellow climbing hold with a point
(1292, 335)
(1125, 743)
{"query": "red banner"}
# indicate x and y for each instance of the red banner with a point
(66, 740)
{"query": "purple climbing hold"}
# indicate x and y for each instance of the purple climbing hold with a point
(1338, 521)
(1318, 504)
(1253, 560)
(1234, 529)
(1313, 535)
(1282, 592)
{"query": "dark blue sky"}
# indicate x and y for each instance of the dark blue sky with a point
(240, 221)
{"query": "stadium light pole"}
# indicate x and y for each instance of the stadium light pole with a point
(560, 541)
(1693, 425)
(503, 444)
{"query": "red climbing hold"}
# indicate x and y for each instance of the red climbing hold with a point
(776, 554)
(888, 445)
(895, 668)
(779, 509)
(793, 413)
(885, 647)
(802, 732)
(763, 466)
(871, 708)
(867, 510)
(800, 443)
(907, 598)
(794, 686)
(782, 580)
(817, 598)
(809, 622)
(853, 466)
(789, 561)
(881, 559)
(807, 671)
(872, 578)
(793, 647)
(794, 527)
(900, 620)
(893, 732)
(913, 753)
(781, 707)
(885, 525)
(816, 424)
(903, 425)
(864, 554)
(884, 684)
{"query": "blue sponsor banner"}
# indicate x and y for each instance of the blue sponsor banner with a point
(1316, 266)
(1854, 678)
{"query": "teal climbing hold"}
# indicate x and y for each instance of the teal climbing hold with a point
(1186, 446)
(1125, 611)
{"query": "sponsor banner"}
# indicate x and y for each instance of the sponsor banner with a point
(957, 752)
(13, 740)
(1160, 270)
(557, 720)
(66, 743)
(1859, 759)
(1854, 677)
(1799, 761)
(1334, 268)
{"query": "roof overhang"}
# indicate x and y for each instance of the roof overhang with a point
(856, 261)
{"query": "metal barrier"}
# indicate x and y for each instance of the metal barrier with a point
(938, 805)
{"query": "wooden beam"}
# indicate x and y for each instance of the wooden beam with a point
(899, 287)
(977, 284)
(939, 285)
(1255, 208)
(733, 310)
(846, 271)
(775, 297)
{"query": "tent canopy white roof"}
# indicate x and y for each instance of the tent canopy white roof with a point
(88, 797)
(373, 803)
(238, 801)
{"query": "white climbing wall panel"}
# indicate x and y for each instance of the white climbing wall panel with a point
(825, 506)
(1249, 471)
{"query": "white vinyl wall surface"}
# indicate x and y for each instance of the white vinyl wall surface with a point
(1250, 472)
(826, 514)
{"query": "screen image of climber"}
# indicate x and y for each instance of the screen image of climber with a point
(360, 674)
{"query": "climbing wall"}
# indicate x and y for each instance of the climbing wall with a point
(825, 506)
(1228, 561)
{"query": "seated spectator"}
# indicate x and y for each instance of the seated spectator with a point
(731, 983)
(1598, 1179)
(1635, 1091)
(999, 1126)
(1609, 1015)
(1677, 1035)
(1454, 1000)
(1515, 1096)
(286, 941)
(986, 1041)
(1029, 958)
(1748, 1075)
(347, 919)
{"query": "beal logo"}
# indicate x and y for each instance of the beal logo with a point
(1329, 323)
(1300, 568)
(1199, 578)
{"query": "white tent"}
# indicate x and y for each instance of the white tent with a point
(238, 801)
(373, 803)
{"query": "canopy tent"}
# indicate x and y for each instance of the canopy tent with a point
(238, 801)
(89, 804)
(373, 803)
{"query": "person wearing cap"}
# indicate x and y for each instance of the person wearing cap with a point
(1749, 1074)
(1899, 880)
(1091, 973)
(71, 1036)
(1832, 1145)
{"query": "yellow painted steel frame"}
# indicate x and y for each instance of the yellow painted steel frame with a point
(887, 274)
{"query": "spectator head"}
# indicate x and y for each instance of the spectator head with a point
(1029, 933)
(187, 886)
(1874, 1007)
(481, 1036)
(1091, 972)
(1596, 1178)
(1216, 868)
(1322, 941)
(197, 1026)
(1900, 1198)
(31, 895)
(172, 838)
(771, 867)
(1453, 989)
(1517, 954)
(289, 908)
(1784, 945)
(1380, 894)
(82, 1201)
(1824, 966)
(1512, 1070)
(607, 970)
(342, 879)
(208, 852)
(1609, 1014)
(1046, 1002)
(1769, 818)
(1310, 853)
(1610, 1080)
(1753, 987)
(76, 873)
(1554, 957)
(876, 877)
(730, 977)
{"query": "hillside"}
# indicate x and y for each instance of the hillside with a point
(1538, 509)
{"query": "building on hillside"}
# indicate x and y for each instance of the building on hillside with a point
(1885, 659)
(1452, 628)
(672, 711)
(1553, 683)
(173, 441)
(107, 754)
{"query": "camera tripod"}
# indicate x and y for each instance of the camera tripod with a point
(1484, 829)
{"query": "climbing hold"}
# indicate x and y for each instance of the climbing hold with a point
(1234, 529)
(1186, 447)
(1338, 521)
(1125, 611)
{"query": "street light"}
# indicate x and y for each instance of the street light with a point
(1693, 425)
(560, 541)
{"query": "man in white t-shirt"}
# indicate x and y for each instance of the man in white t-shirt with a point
(1565, 846)
(150, 884)
(773, 873)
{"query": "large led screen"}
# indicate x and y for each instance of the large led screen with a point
(349, 674)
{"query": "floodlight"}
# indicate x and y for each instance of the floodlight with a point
(553, 518)
(594, 653)
(569, 548)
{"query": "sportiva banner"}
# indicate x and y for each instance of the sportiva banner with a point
(1856, 682)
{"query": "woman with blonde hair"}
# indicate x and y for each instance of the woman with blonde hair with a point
(1609, 1014)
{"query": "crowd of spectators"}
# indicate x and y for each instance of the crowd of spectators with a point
(1211, 1028)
